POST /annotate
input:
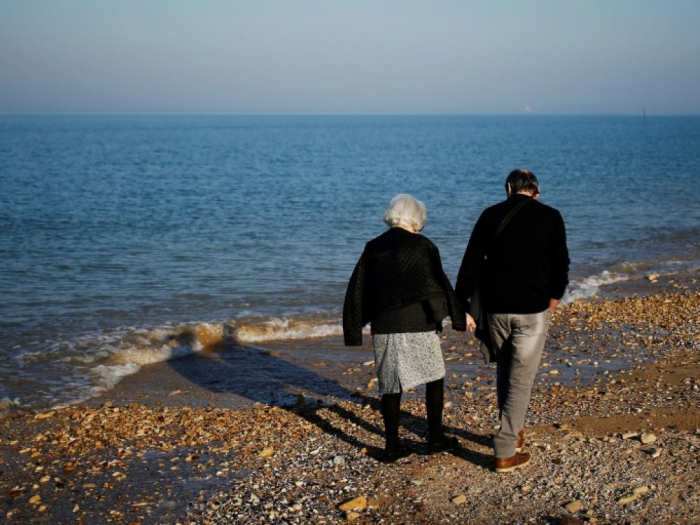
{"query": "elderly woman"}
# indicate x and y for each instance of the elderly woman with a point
(399, 287)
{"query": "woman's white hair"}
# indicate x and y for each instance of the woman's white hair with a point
(405, 211)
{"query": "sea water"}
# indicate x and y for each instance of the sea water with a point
(118, 232)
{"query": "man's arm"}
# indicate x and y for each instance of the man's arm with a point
(454, 305)
(470, 269)
(559, 270)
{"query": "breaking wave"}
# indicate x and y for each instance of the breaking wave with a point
(589, 286)
(76, 370)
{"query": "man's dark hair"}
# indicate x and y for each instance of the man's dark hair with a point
(522, 180)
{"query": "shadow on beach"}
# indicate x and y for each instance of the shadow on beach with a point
(261, 376)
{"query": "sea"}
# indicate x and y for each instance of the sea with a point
(118, 233)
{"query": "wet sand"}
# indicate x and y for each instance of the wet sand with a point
(289, 432)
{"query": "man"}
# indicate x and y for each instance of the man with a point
(517, 256)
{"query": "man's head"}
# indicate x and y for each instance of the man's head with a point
(522, 181)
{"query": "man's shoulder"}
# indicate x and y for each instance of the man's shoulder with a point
(495, 209)
(549, 211)
(537, 210)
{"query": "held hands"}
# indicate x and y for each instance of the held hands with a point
(471, 325)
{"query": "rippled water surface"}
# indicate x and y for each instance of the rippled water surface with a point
(116, 230)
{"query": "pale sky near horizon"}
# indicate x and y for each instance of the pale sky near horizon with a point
(352, 56)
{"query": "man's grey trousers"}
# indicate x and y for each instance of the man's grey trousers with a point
(518, 340)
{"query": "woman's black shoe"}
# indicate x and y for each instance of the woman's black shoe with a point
(388, 456)
(445, 444)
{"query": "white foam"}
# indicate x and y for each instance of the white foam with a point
(589, 286)
(111, 375)
(278, 329)
(145, 355)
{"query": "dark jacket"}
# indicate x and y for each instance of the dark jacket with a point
(396, 270)
(525, 267)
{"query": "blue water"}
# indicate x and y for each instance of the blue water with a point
(113, 226)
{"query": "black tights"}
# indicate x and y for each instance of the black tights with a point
(391, 406)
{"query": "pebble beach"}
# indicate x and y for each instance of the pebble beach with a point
(290, 433)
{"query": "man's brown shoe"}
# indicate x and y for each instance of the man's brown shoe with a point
(512, 463)
(521, 441)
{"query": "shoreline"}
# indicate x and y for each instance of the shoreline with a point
(89, 366)
(195, 440)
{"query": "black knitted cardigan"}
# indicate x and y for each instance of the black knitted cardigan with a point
(396, 269)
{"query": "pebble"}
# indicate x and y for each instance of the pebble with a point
(267, 452)
(636, 494)
(358, 503)
(574, 506)
(648, 438)
(458, 500)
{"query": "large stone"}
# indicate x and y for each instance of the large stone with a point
(648, 437)
(458, 500)
(358, 503)
(574, 506)
(636, 494)
(267, 452)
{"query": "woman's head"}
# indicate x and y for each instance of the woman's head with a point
(406, 212)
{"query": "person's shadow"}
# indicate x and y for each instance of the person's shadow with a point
(257, 375)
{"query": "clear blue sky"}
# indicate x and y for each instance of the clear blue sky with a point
(350, 56)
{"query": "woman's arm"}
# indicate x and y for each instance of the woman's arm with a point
(353, 314)
(454, 306)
